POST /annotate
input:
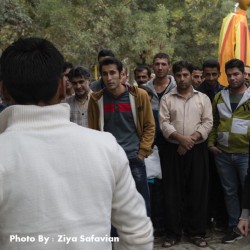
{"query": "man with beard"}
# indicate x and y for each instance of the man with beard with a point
(159, 86)
(217, 217)
(99, 84)
(185, 118)
(229, 141)
(211, 73)
(79, 78)
(142, 74)
(197, 77)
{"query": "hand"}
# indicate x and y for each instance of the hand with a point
(187, 142)
(181, 150)
(196, 136)
(214, 150)
(243, 227)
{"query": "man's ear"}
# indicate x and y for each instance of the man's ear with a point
(170, 67)
(62, 89)
(6, 96)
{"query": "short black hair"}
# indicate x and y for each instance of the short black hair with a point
(142, 67)
(67, 65)
(105, 52)
(211, 63)
(235, 63)
(78, 71)
(178, 66)
(31, 70)
(197, 68)
(111, 60)
(162, 56)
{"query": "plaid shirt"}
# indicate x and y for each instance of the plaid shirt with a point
(78, 115)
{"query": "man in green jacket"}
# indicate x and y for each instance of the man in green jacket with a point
(229, 141)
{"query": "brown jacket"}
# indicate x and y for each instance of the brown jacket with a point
(142, 113)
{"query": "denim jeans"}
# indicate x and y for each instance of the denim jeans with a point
(138, 170)
(232, 169)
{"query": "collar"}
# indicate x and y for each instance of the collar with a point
(23, 117)
(175, 91)
(208, 87)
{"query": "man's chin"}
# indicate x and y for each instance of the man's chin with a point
(80, 95)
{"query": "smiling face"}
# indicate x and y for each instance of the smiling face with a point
(80, 86)
(141, 77)
(197, 78)
(244, 4)
(211, 75)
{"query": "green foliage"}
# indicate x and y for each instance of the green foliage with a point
(134, 29)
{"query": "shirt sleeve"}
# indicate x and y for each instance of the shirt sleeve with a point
(206, 119)
(216, 119)
(164, 118)
(128, 209)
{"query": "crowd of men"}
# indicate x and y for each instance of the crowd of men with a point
(198, 140)
(196, 129)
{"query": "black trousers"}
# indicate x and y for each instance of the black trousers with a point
(157, 207)
(216, 204)
(185, 184)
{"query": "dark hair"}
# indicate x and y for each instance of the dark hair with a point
(197, 68)
(162, 56)
(235, 63)
(105, 52)
(78, 71)
(142, 67)
(178, 66)
(67, 65)
(31, 70)
(211, 63)
(111, 60)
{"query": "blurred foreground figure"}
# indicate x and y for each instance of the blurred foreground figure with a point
(49, 198)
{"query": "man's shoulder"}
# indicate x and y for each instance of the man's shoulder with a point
(97, 95)
(203, 96)
(203, 87)
(87, 135)
(96, 85)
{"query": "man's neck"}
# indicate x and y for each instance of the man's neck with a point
(161, 81)
(238, 91)
(185, 92)
(160, 84)
(213, 85)
(82, 98)
(117, 91)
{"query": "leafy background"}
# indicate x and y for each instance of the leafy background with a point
(134, 29)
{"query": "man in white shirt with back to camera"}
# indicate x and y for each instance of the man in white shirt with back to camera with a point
(50, 199)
